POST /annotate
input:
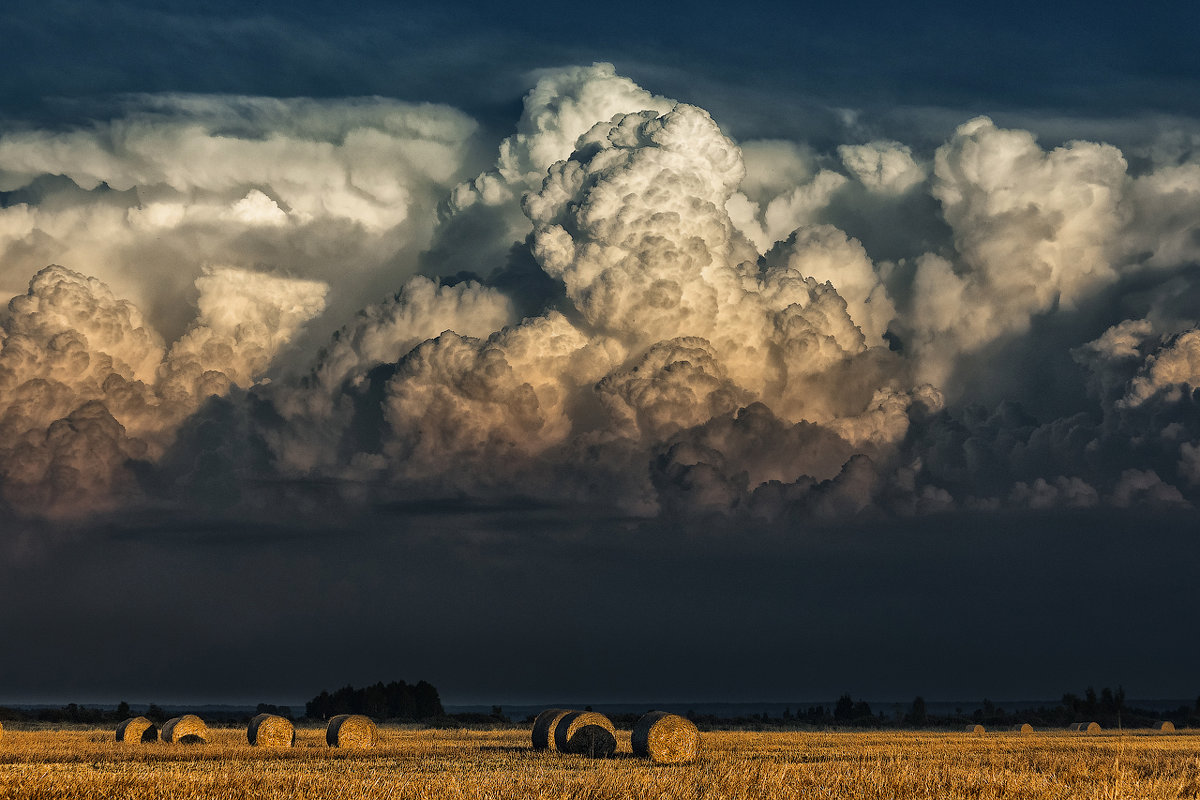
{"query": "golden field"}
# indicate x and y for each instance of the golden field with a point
(482, 765)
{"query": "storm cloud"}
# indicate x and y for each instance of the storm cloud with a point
(656, 318)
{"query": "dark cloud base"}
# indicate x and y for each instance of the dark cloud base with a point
(505, 604)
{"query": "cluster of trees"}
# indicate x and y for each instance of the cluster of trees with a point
(1108, 708)
(396, 700)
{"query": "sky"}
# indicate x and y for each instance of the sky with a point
(619, 354)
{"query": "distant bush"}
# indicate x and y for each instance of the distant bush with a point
(396, 700)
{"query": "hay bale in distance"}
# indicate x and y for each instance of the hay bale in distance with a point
(137, 729)
(1090, 727)
(351, 730)
(593, 741)
(188, 729)
(271, 730)
(543, 727)
(1166, 727)
(585, 733)
(665, 738)
(974, 729)
(1024, 728)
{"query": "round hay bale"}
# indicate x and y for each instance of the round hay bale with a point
(665, 738)
(1075, 726)
(570, 737)
(188, 729)
(1089, 727)
(1166, 727)
(1024, 728)
(593, 741)
(351, 730)
(974, 729)
(271, 730)
(137, 729)
(543, 727)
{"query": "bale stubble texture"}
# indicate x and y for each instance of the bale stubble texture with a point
(351, 730)
(665, 738)
(585, 733)
(271, 730)
(1167, 727)
(137, 729)
(543, 727)
(188, 729)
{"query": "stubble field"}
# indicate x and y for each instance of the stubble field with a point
(432, 765)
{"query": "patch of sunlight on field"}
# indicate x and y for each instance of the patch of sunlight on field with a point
(437, 765)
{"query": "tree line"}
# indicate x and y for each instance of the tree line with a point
(395, 700)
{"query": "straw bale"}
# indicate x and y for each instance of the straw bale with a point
(1089, 727)
(974, 729)
(1024, 727)
(137, 729)
(1166, 727)
(351, 730)
(585, 733)
(188, 729)
(593, 741)
(665, 738)
(1075, 726)
(543, 727)
(271, 730)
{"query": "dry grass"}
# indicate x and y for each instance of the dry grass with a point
(500, 765)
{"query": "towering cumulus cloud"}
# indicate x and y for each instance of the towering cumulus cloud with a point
(628, 309)
(88, 387)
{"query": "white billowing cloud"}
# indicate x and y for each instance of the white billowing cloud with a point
(715, 347)
(467, 413)
(827, 254)
(783, 189)
(798, 206)
(635, 225)
(563, 106)
(883, 167)
(245, 319)
(1166, 204)
(678, 383)
(353, 159)
(320, 188)
(1033, 231)
(319, 410)
(86, 384)
(1168, 373)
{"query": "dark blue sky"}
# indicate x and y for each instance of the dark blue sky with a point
(1068, 57)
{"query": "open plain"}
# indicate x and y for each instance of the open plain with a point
(425, 764)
